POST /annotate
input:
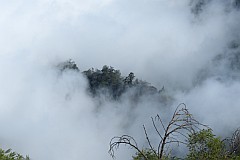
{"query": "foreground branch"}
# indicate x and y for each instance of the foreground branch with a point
(181, 124)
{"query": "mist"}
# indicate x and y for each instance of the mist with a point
(192, 51)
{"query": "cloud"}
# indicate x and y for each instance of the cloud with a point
(50, 116)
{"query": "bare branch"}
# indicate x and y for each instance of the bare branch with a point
(125, 139)
(155, 127)
(234, 142)
(159, 118)
(180, 126)
(149, 143)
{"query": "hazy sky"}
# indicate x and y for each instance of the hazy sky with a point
(161, 41)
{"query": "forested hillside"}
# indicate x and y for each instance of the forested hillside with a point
(182, 129)
(109, 82)
(120, 79)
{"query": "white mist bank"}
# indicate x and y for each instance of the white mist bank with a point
(52, 117)
(49, 115)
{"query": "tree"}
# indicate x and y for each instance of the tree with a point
(68, 65)
(233, 144)
(148, 153)
(129, 79)
(9, 155)
(110, 83)
(176, 131)
(108, 79)
(204, 145)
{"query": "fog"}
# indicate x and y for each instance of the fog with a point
(193, 53)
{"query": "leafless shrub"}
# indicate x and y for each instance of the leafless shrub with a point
(181, 124)
(233, 143)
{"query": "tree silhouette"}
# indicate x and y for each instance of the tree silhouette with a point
(181, 124)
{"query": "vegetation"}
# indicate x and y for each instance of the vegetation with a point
(149, 154)
(182, 129)
(181, 124)
(109, 81)
(204, 145)
(9, 155)
(68, 65)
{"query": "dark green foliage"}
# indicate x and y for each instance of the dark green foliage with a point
(9, 155)
(148, 153)
(109, 82)
(151, 156)
(68, 65)
(129, 79)
(204, 145)
(108, 79)
(182, 129)
(175, 132)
